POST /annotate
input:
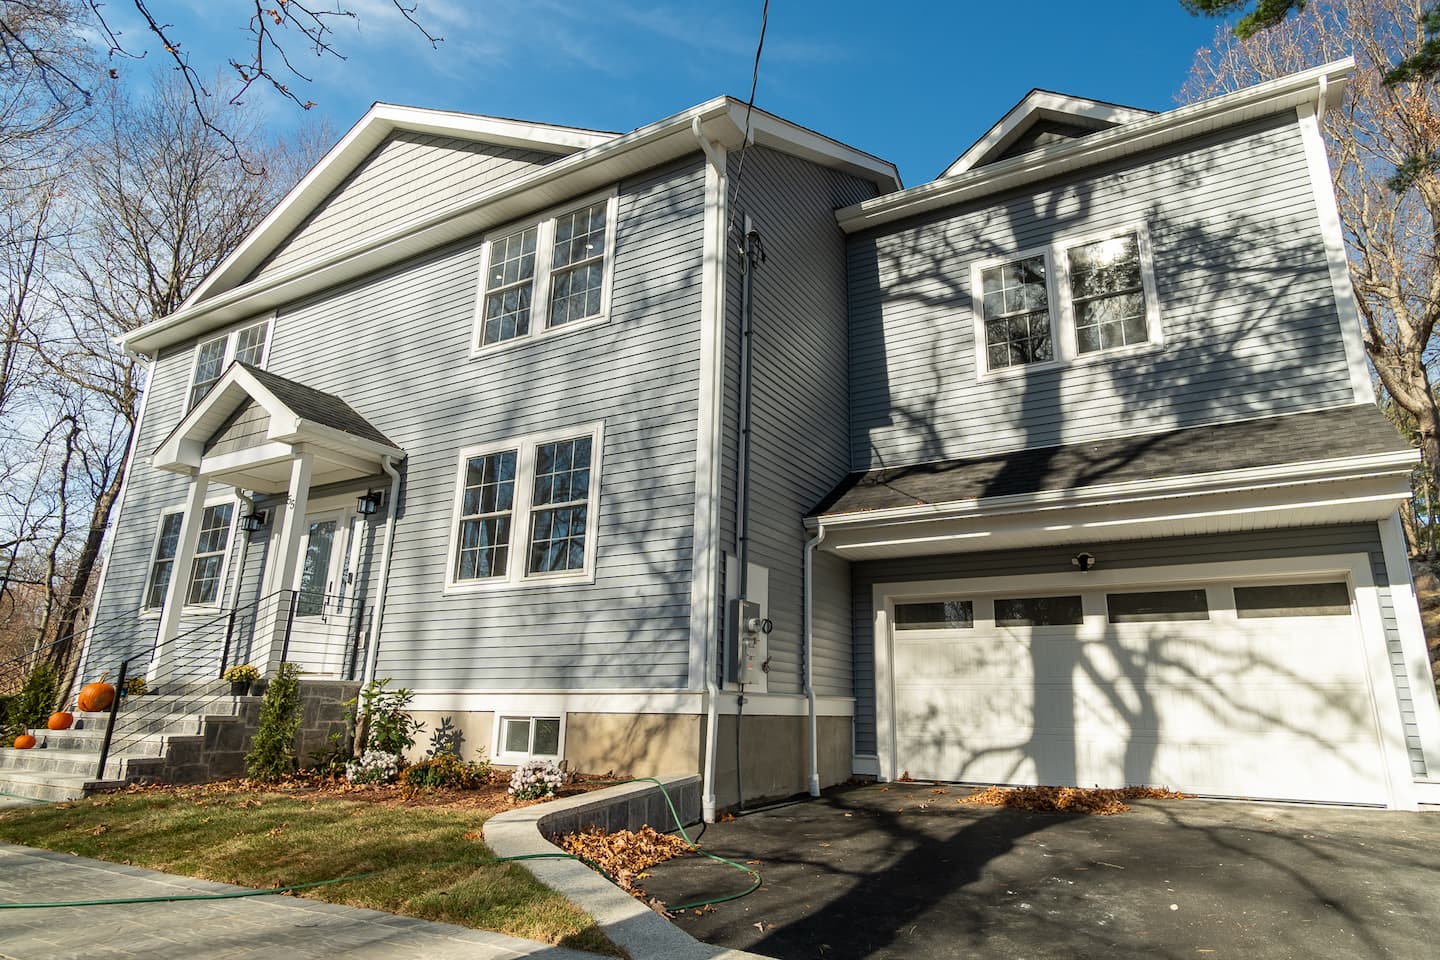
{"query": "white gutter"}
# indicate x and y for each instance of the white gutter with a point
(388, 464)
(809, 588)
(1263, 99)
(708, 802)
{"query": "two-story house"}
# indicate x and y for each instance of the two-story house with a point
(1061, 468)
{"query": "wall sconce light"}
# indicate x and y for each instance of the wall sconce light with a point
(1084, 561)
(253, 521)
(368, 503)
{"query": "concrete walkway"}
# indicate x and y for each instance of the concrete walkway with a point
(254, 928)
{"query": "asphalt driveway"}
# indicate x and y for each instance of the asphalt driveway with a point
(901, 870)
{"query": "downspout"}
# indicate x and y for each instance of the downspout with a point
(387, 463)
(712, 689)
(809, 588)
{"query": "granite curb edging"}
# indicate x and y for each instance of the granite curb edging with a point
(640, 931)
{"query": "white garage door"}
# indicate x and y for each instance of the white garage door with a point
(1239, 689)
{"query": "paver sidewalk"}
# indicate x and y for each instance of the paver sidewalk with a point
(254, 928)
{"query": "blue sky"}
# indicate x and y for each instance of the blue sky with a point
(915, 83)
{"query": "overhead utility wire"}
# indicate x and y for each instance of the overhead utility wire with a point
(749, 108)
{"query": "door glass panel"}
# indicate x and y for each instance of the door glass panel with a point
(1156, 606)
(1039, 612)
(315, 572)
(1293, 600)
(939, 615)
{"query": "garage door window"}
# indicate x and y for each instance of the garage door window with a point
(1293, 600)
(1157, 606)
(940, 615)
(1039, 612)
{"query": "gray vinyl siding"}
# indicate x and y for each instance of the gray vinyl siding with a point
(1258, 545)
(396, 348)
(119, 629)
(1244, 293)
(245, 428)
(800, 392)
(833, 644)
(407, 176)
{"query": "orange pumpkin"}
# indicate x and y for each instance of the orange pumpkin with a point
(24, 742)
(95, 697)
(60, 720)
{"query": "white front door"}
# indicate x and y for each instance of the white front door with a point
(325, 621)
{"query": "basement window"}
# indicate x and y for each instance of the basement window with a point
(529, 737)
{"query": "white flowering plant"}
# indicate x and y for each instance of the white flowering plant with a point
(374, 766)
(535, 779)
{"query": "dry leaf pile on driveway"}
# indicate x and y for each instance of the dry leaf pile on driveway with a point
(625, 855)
(1067, 799)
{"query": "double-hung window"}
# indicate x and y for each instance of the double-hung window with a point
(1080, 298)
(525, 511)
(214, 356)
(539, 277)
(207, 569)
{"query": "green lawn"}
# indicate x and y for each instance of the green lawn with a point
(258, 838)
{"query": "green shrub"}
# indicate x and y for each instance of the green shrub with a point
(329, 761)
(388, 728)
(446, 770)
(272, 754)
(32, 706)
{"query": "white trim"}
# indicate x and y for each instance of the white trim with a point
(1352, 327)
(1412, 641)
(1264, 99)
(1068, 347)
(517, 560)
(549, 703)
(705, 548)
(1355, 567)
(1035, 106)
(541, 281)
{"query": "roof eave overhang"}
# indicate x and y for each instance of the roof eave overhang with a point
(1038, 105)
(1390, 470)
(721, 120)
(1265, 99)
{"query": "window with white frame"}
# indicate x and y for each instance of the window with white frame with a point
(214, 356)
(529, 737)
(1080, 298)
(546, 275)
(207, 567)
(525, 510)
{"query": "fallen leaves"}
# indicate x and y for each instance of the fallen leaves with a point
(625, 854)
(1094, 800)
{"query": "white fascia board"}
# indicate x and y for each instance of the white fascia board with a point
(1263, 99)
(1227, 481)
(182, 446)
(768, 130)
(1036, 105)
(359, 142)
(308, 431)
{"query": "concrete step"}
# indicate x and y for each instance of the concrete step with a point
(186, 703)
(43, 786)
(149, 744)
(81, 763)
(130, 723)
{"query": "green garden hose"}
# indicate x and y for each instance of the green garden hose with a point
(271, 891)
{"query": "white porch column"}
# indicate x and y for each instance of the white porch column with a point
(284, 558)
(180, 568)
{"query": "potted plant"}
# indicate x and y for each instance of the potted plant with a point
(240, 678)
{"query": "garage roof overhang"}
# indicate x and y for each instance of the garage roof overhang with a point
(1349, 490)
(299, 419)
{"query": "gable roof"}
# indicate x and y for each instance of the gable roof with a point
(1042, 107)
(297, 414)
(1321, 87)
(596, 160)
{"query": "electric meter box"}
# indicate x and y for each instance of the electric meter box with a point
(747, 643)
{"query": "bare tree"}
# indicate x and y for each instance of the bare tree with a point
(1392, 238)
